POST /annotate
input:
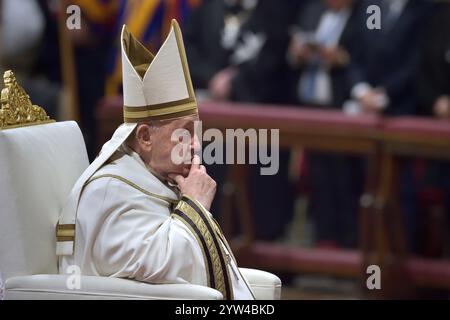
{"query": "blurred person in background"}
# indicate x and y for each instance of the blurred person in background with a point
(324, 42)
(236, 52)
(382, 76)
(427, 228)
(237, 56)
(434, 73)
(25, 44)
(31, 46)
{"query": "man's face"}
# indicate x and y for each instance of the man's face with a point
(163, 145)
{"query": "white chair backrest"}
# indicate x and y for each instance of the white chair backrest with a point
(39, 164)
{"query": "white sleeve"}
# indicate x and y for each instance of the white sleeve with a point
(138, 240)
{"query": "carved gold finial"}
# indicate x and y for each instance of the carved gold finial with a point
(16, 107)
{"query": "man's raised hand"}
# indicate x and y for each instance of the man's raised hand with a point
(198, 184)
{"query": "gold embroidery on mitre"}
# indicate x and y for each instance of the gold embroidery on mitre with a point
(16, 107)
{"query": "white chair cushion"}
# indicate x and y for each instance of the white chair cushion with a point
(265, 285)
(55, 287)
(38, 167)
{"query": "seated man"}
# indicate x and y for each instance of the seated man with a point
(135, 213)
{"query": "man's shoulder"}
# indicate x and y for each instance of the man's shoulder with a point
(124, 178)
(123, 165)
(105, 186)
(124, 171)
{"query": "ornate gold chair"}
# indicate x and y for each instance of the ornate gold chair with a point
(40, 160)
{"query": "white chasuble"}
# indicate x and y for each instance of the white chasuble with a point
(129, 224)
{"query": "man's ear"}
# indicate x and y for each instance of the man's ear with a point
(144, 136)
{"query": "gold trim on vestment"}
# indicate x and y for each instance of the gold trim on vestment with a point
(211, 249)
(64, 238)
(171, 202)
(213, 245)
(220, 234)
(65, 232)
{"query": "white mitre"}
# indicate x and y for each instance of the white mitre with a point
(154, 88)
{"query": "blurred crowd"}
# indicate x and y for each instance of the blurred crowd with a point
(327, 54)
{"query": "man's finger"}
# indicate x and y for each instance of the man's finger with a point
(202, 168)
(195, 161)
(177, 178)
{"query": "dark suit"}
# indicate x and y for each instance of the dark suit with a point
(433, 81)
(257, 80)
(434, 73)
(390, 60)
(335, 179)
(391, 55)
(308, 21)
